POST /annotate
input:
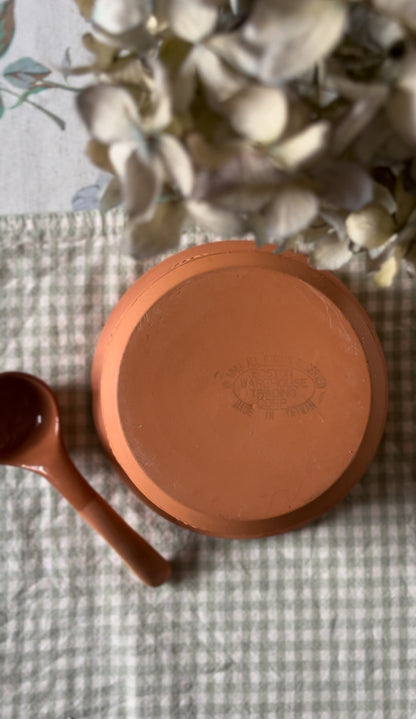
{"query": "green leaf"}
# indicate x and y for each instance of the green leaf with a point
(87, 198)
(6, 25)
(26, 73)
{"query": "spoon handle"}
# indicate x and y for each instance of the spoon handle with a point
(142, 559)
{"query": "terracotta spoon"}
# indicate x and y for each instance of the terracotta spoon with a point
(30, 437)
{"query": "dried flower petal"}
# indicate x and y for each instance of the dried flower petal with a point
(357, 119)
(387, 272)
(384, 31)
(220, 81)
(378, 254)
(159, 234)
(404, 10)
(191, 21)
(138, 39)
(336, 221)
(178, 59)
(389, 268)
(300, 149)
(85, 7)
(98, 154)
(239, 55)
(104, 54)
(292, 209)
(406, 203)
(112, 195)
(370, 227)
(401, 109)
(352, 90)
(140, 189)
(293, 37)
(383, 196)
(402, 114)
(184, 84)
(345, 185)
(176, 163)
(407, 235)
(157, 113)
(119, 153)
(126, 71)
(378, 144)
(410, 260)
(330, 254)
(109, 113)
(226, 224)
(243, 184)
(258, 113)
(122, 15)
(208, 156)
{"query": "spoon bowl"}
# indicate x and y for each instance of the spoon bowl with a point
(29, 418)
(30, 437)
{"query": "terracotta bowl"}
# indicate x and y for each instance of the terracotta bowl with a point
(240, 393)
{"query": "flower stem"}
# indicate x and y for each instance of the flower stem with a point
(55, 118)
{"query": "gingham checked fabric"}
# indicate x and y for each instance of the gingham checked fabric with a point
(320, 622)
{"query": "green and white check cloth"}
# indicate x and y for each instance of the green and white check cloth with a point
(318, 623)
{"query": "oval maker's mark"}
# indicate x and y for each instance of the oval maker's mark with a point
(288, 386)
(274, 387)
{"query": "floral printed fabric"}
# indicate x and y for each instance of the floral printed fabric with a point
(43, 166)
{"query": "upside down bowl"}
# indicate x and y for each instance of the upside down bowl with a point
(240, 393)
